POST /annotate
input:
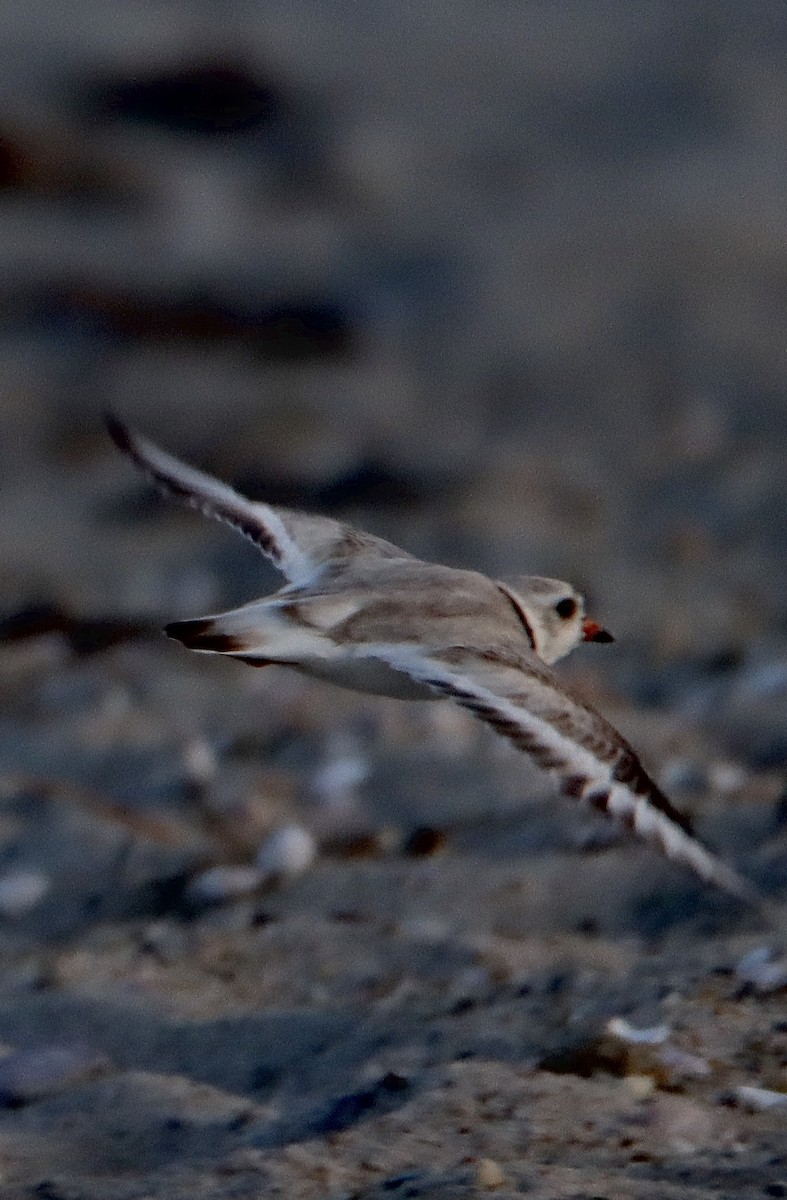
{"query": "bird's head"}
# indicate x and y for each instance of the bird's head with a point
(553, 614)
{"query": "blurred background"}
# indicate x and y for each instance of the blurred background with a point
(505, 285)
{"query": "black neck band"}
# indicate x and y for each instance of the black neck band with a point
(512, 600)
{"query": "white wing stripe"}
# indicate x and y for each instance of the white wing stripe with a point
(256, 521)
(615, 798)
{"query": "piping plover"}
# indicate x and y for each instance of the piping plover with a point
(360, 612)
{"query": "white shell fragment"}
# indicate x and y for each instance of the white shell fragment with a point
(199, 761)
(758, 1099)
(761, 971)
(284, 853)
(220, 884)
(346, 767)
(45, 1070)
(658, 1058)
(654, 1035)
(288, 851)
(21, 890)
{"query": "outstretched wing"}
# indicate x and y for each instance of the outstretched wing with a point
(297, 543)
(258, 522)
(525, 702)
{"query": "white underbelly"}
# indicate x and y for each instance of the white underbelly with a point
(366, 675)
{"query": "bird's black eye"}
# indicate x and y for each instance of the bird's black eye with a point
(566, 608)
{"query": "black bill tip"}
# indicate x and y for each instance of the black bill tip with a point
(593, 632)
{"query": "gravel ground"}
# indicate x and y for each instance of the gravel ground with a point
(508, 292)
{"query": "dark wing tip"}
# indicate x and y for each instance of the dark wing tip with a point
(139, 451)
(121, 435)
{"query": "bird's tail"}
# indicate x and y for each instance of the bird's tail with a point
(258, 633)
(206, 633)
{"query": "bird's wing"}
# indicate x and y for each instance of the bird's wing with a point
(297, 543)
(524, 701)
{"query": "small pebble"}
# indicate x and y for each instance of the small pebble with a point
(217, 885)
(33, 1074)
(619, 1027)
(681, 774)
(640, 1086)
(758, 1099)
(761, 971)
(424, 842)
(21, 891)
(679, 1064)
(288, 851)
(727, 777)
(199, 761)
(488, 1174)
(335, 782)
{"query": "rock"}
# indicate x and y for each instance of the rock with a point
(488, 1174)
(286, 852)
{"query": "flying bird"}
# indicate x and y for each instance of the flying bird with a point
(360, 612)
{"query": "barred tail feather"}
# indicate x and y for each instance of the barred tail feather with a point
(205, 634)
